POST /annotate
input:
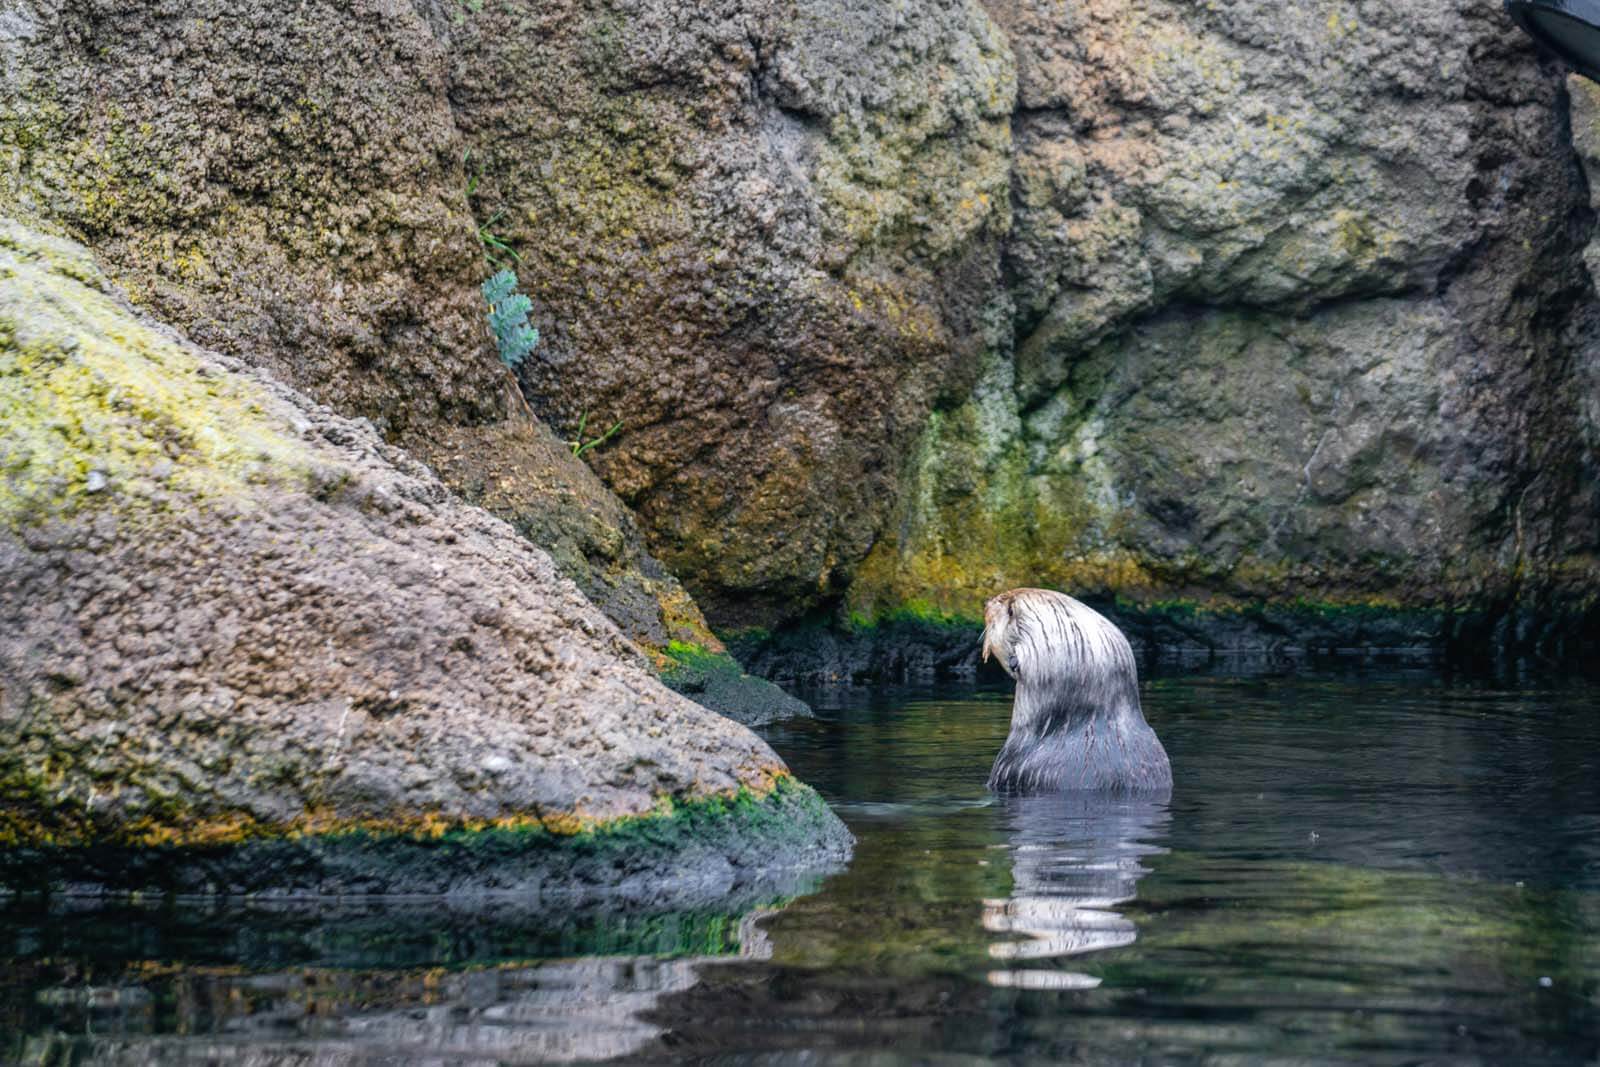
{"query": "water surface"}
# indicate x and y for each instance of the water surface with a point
(1357, 867)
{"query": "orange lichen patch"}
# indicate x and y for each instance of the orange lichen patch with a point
(562, 824)
(765, 779)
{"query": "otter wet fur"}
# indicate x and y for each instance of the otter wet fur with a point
(1076, 723)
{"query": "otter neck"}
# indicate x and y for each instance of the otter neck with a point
(1041, 712)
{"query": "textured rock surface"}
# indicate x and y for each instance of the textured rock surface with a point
(1289, 305)
(284, 182)
(1208, 308)
(228, 615)
(1301, 318)
(1585, 128)
(516, 469)
(252, 181)
(765, 233)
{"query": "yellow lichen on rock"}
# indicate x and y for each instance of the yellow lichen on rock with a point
(94, 401)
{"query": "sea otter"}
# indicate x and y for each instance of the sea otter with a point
(1076, 723)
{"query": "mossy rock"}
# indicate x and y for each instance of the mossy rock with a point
(241, 637)
(716, 680)
(695, 853)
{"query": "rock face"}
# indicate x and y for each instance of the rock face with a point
(238, 627)
(285, 183)
(253, 182)
(765, 234)
(1201, 309)
(1207, 306)
(1300, 316)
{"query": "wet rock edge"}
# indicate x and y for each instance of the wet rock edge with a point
(703, 851)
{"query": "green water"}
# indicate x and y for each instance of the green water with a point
(1353, 868)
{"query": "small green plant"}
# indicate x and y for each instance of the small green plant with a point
(463, 8)
(496, 249)
(508, 318)
(580, 446)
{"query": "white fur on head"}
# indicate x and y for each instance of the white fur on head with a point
(996, 621)
(1076, 721)
(1047, 640)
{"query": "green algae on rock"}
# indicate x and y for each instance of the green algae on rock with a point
(260, 626)
(98, 406)
(695, 852)
(712, 677)
(1284, 471)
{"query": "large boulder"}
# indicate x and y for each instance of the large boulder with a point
(284, 182)
(245, 645)
(765, 234)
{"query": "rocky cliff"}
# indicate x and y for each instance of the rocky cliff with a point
(1301, 324)
(246, 646)
(1259, 321)
(1267, 321)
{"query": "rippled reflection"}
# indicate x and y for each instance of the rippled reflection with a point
(552, 1011)
(1369, 870)
(1074, 859)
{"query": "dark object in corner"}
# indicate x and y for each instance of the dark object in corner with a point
(1569, 28)
(1077, 723)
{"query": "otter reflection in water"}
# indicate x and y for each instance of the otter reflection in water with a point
(1074, 858)
(1076, 723)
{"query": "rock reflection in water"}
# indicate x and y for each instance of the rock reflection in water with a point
(1074, 859)
(553, 1011)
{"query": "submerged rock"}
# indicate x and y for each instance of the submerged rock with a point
(244, 645)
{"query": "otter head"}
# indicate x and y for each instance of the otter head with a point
(1050, 642)
(1076, 722)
